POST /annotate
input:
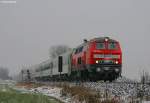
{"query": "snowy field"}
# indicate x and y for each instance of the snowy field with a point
(7, 82)
(47, 91)
(56, 93)
(9, 93)
(121, 87)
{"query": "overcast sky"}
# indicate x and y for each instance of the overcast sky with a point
(29, 27)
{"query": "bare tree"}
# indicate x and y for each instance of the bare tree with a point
(145, 77)
(4, 73)
(58, 50)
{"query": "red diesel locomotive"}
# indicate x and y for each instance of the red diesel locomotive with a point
(97, 59)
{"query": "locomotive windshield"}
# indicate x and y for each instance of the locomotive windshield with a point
(100, 45)
(112, 45)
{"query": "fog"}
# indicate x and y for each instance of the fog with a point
(28, 28)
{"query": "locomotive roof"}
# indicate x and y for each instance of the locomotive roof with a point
(102, 39)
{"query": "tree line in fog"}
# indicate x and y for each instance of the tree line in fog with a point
(57, 50)
(4, 73)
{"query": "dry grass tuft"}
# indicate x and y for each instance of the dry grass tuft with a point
(84, 94)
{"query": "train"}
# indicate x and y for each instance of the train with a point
(97, 59)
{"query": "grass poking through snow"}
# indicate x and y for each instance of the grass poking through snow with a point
(8, 95)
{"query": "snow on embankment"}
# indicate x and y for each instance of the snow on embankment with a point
(7, 82)
(52, 92)
(122, 87)
(49, 91)
(66, 94)
(146, 102)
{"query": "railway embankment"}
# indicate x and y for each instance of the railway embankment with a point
(122, 90)
(66, 93)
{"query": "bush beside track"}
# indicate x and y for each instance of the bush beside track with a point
(84, 94)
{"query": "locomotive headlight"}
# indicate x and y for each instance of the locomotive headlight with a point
(96, 61)
(116, 62)
(106, 39)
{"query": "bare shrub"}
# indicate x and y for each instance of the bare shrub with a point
(84, 94)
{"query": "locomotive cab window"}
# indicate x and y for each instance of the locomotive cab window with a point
(100, 45)
(112, 45)
(78, 50)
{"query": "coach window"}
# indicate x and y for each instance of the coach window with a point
(51, 65)
(54, 64)
(41, 68)
(100, 45)
(47, 67)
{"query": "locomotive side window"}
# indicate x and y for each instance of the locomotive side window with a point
(100, 45)
(78, 50)
(79, 60)
(112, 45)
(47, 66)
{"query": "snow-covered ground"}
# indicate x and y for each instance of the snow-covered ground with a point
(146, 102)
(54, 92)
(8, 82)
(123, 89)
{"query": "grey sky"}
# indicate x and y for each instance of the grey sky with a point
(29, 27)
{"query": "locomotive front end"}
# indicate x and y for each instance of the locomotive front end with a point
(106, 59)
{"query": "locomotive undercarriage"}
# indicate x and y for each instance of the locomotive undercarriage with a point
(97, 72)
(104, 72)
(89, 73)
